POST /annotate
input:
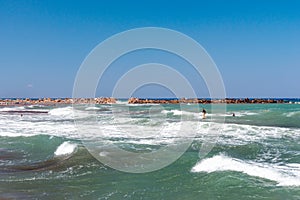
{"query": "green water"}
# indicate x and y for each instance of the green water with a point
(256, 156)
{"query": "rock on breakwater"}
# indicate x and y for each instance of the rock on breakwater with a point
(133, 100)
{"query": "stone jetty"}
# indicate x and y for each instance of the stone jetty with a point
(111, 100)
(56, 101)
(203, 101)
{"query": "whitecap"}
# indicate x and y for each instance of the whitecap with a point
(92, 108)
(179, 112)
(283, 175)
(5, 109)
(65, 149)
(65, 111)
(291, 114)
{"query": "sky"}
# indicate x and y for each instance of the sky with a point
(255, 44)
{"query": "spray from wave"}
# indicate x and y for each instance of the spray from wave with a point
(288, 175)
(65, 149)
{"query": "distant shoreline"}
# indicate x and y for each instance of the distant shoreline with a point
(111, 100)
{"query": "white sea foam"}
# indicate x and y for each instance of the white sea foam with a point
(13, 134)
(291, 114)
(121, 102)
(92, 108)
(68, 113)
(65, 111)
(198, 114)
(15, 108)
(179, 112)
(30, 125)
(59, 123)
(243, 134)
(246, 113)
(164, 132)
(283, 175)
(65, 149)
(166, 111)
(22, 108)
(35, 106)
(144, 104)
(174, 112)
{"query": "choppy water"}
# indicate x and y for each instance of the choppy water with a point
(256, 156)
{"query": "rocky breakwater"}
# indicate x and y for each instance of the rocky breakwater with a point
(161, 101)
(56, 101)
(100, 100)
(110, 100)
(202, 101)
(252, 101)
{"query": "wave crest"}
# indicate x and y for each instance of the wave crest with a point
(284, 175)
(65, 149)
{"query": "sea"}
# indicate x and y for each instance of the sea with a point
(46, 154)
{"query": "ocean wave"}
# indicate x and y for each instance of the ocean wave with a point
(65, 111)
(229, 133)
(121, 102)
(31, 109)
(245, 113)
(138, 132)
(15, 134)
(136, 104)
(92, 108)
(14, 128)
(291, 114)
(241, 133)
(288, 175)
(294, 102)
(15, 108)
(68, 113)
(198, 114)
(35, 106)
(180, 112)
(60, 122)
(65, 148)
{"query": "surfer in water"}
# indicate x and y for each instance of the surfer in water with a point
(203, 113)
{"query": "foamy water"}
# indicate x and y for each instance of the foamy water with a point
(60, 122)
(286, 175)
(65, 149)
(260, 143)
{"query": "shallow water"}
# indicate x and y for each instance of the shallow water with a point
(256, 154)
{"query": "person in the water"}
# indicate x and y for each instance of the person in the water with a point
(203, 113)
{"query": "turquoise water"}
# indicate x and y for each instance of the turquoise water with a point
(256, 155)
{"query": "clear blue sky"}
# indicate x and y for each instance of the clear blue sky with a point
(255, 44)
